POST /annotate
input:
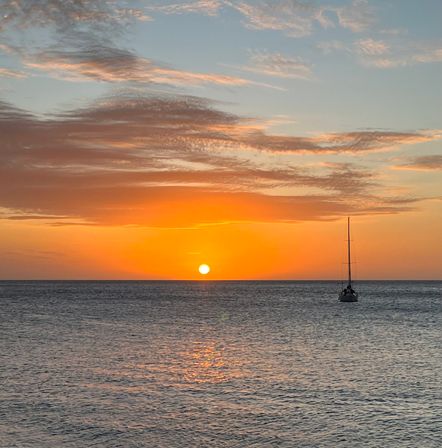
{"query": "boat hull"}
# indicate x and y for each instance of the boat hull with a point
(346, 297)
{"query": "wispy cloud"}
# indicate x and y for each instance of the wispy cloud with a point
(385, 54)
(427, 53)
(208, 7)
(64, 15)
(422, 163)
(110, 64)
(358, 16)
(278, 65)
(8, 73)
(404, 54)
(295, 18)
(329, 47)
(371, 47)
(84, 47)
(7, 49)
(347, 142)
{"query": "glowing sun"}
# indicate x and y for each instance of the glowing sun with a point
(204, 269)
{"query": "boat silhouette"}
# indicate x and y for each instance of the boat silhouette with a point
(348, 294)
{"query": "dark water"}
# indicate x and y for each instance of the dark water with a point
(231, 364)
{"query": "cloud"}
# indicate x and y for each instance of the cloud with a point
(69, 33)
(83, 55)
(278, 65)
(29, 253)
(428, 54)
(8, 49)
(346, 142)
(160, 122)
(8, 73)
(405, 54)
(331, 46)
(357, 17)
(387, 54)
(132, 203)
(110, 64)
(371, 47)
(167, 161)
(374, 140)
(64, 15)
(422, 163)
(295, 18)
(84, 33)
(208, 7)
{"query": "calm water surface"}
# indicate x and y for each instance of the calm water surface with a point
(219, 364)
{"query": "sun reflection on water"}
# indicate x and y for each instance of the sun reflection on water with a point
(194, 363)
(206, 363)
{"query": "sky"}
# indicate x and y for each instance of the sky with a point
(140, 139)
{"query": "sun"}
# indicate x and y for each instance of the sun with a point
(204, 269)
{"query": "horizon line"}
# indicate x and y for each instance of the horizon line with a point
(217, 280)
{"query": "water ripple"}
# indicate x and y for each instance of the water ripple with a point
(251, 364)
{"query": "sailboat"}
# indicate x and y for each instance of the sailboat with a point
(348, 294)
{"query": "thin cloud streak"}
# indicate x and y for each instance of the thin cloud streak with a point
(117, 65)
(208, 7)
(347, 142)
(371, 47)
(422, 163)
(278, 65)
(8, 73)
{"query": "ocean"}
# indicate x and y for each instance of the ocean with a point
(220, 364)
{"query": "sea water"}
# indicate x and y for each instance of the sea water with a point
(220, 364)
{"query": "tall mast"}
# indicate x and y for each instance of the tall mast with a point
(349, 258)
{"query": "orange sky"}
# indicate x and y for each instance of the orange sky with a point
(132, 146)
(384, 247)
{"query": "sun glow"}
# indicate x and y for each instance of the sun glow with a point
(204, 269)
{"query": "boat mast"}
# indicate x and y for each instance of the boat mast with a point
(349, 257)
